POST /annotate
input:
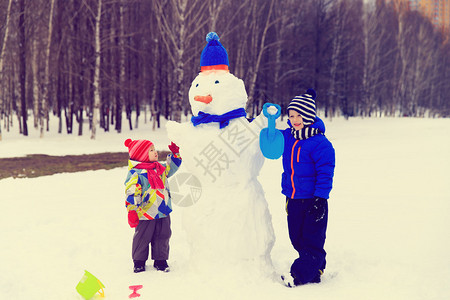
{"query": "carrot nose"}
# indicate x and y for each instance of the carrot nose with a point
(204, 99)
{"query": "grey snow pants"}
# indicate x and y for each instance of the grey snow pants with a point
(157, 232)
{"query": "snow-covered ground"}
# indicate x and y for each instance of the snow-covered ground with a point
(387, 235)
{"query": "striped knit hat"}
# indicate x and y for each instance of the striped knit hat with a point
(305, 106)
(138, 149)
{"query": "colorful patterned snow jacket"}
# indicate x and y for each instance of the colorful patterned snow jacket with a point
(308, 165)
(147, 202)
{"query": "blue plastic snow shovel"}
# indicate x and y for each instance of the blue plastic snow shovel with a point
(271, 140)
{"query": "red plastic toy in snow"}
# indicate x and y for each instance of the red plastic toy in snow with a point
(135, 288)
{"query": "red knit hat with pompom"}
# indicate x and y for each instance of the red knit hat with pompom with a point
(138, 149)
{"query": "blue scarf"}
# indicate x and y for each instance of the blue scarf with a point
(223, 119)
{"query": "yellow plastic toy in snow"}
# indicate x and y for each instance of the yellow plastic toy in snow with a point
(89, 285)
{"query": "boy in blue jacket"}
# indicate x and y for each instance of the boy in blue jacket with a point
(308, 169)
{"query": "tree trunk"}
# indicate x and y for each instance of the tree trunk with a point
(261, 47)
(43, 115)
(2, 56)
(35, 82)
(5, 39)
(23, 67)
(178, 28)
(96, 108)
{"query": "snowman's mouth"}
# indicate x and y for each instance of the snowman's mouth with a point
(205, 99)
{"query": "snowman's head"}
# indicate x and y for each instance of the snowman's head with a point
(216, 92)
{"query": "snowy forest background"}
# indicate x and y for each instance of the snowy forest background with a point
(88, 61)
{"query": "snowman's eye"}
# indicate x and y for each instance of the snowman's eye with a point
(217, 81)
(196, 85)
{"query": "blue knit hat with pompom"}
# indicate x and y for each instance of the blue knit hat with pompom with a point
(214, 56)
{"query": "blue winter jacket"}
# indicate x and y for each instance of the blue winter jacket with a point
(308, 165)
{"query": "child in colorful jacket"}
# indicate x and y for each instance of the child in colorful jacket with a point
(308, 169)
(148, 202)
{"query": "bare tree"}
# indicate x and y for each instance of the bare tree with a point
(379, 49)
(320, 41)
(215, 8)
(424, 67)
(340, 50)
(36, 93)
(44, 106)
(404, 52)
(101, 59)
(2, 55)
(96, 111)
(261, 22)
(5, 37)
(282, 67)
(178, 22)
(23, 66)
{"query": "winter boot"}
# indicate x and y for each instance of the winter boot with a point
(291, 282)
(161, 265)
(317, 278)
(288, 280)
(139, 266)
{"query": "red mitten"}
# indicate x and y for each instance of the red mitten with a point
(133, 218)
(174, 148)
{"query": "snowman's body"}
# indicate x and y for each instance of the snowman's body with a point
(231, 222)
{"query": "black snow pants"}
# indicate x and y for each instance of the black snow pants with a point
(307, 228)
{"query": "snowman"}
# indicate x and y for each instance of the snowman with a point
(230, 223)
